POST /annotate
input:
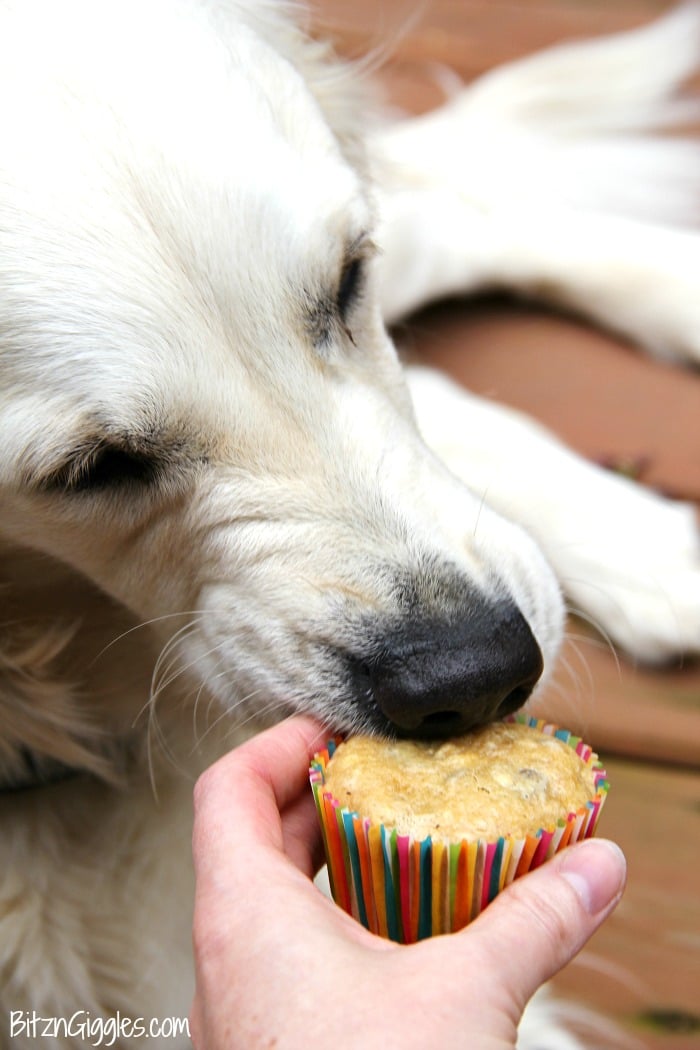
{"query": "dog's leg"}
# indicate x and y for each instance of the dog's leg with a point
(629, 559)
(545, 177)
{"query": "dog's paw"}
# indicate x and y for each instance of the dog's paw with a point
(627, 559)
(600, 213)
(648, 286)
(641, 586)
(551, 1023)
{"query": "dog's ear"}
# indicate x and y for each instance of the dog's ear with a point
(343, 89)
(40, 710)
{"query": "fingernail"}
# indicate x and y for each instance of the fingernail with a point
(596, 870)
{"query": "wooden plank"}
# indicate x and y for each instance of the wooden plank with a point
(600, 395)
(642, 969)
(474, 35)
(625, 710)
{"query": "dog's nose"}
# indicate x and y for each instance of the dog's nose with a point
(442, 678)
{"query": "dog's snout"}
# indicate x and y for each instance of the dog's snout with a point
(439, 679)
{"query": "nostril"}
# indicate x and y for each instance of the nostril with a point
(514, 701)
(442, 718)
(442, 723)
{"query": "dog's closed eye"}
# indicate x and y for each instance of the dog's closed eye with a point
(333, 311)
(349, 287)
(106, 464)
(353, 275)
(111, 465)
(101, 461)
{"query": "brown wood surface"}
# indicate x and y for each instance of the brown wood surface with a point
(643, 968)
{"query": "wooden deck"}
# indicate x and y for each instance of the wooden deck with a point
(643, 969)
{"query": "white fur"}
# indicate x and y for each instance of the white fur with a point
(180, 181)
(546, 177)
(626, 557)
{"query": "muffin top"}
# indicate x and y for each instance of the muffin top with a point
(504, 779)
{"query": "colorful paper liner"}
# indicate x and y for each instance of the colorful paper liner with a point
(407, 889)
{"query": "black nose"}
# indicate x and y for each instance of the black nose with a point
(442, 678)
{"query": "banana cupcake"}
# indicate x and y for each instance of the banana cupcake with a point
(421, 836)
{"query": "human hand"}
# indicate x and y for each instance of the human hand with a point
(276, 961)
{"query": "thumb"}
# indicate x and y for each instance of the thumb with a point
(540, 922)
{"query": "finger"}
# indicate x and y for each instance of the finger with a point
(542, 920)
(238, 800)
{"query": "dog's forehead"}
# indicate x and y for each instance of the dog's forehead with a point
(156, 92)
(175, 206)
(166, 111)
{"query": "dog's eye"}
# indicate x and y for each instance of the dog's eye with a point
(113, 465)
(332, 312)
(105, 466)
(349, 287)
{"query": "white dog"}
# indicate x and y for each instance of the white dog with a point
(222, 495)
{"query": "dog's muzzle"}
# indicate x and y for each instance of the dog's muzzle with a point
(442, 677)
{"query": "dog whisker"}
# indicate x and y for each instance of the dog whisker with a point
(581, 614)
(259, 715)
(573, 698)
(141, 626)
(478, 513)
(163, 677)
(575, 676)
(228, 711)
(602, 644)
(162, 674)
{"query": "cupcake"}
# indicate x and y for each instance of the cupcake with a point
(421, 836)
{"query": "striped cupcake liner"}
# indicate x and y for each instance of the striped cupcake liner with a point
(407, 889)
